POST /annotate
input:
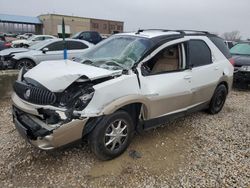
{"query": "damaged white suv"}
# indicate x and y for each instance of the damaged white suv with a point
(127, 83)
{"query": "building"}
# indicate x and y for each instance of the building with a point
(20, 24)
(51, 24)
(74, 24)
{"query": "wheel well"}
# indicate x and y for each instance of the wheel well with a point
(224, 83)
(133, 110)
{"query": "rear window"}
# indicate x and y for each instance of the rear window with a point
(219, 43)
(199, 53)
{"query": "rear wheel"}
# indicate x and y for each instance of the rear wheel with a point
(112, 135)
(24, 63)
(218, 99)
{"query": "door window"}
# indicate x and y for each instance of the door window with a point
(56, 46)
(74, 45)
(39, 39)
(199, 53)
(167, 60)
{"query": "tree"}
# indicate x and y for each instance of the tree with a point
(232, 36)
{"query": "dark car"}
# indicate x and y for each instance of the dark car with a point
(90, 36)
(241, 56)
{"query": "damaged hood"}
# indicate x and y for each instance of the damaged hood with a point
(58, 75)
(11, 51)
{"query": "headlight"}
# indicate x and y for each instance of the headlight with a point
(76, 98)
(83, 101)
(245, 68)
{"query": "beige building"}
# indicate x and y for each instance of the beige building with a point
(73, 24)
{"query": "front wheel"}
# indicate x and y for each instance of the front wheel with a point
(218, 100)
(111, 137)
(24, 63)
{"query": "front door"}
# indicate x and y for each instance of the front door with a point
(165, 81)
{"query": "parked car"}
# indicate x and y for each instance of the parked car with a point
(46, 50)
(31, 41)
(230, 44)
(129, 82)
(90, 36)
(241, 56)
(2, 38)
(25, 36)
(4, 45)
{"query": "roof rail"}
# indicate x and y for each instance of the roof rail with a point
(166, 30)
(197, 31)
(163, 30)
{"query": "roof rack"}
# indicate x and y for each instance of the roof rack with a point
(167, 30)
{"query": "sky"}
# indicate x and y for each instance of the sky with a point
(217, 16)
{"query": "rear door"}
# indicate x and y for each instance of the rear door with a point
(205, 73)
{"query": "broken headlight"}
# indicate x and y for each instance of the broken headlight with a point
(83, 101)
(76, 97)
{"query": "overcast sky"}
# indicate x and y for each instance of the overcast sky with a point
(213, 15)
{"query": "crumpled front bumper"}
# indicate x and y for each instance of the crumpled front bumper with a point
(40, 134)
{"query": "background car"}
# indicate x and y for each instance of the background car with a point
(230, 44)
(3, 43)
(25, 36)
(31, 41)
(90, 36)
(241, 56)
(43, 51)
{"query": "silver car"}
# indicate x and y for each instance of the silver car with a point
(42, 51)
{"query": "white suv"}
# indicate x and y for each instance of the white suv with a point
(129, 82)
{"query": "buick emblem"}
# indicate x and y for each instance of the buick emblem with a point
(27, 94)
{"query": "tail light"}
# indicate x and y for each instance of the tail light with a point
(232, 61)
(7, 44)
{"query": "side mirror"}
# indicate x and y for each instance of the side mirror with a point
(44, 50)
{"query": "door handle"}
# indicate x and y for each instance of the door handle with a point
(187, 77)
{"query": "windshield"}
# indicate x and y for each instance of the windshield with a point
(241, 49)
(39, 45)
(31, 38)
(118, 52)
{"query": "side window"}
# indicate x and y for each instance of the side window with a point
(56, 46)
(199, 53)
(39, 39)
(46, 38)
(221, 45)
(74, 45)
(167, 60)
(85, 36)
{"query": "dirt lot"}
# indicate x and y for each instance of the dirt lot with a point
(197, 151)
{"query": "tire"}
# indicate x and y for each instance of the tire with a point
(26, 63)
(218, 100)
(104, 145)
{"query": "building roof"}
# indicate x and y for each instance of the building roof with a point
(19, 19)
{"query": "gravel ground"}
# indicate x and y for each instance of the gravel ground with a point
(200, 150)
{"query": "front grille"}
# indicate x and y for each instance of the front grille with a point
(34, 94)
